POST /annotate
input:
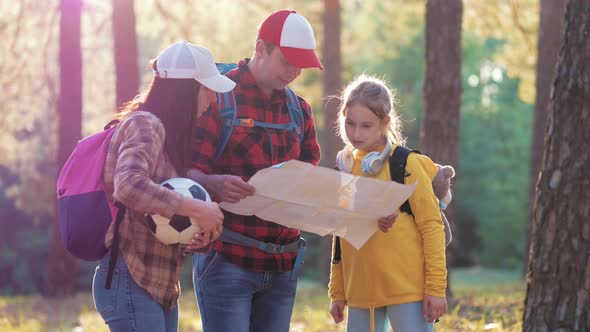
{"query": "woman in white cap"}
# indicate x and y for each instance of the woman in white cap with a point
(151, 144)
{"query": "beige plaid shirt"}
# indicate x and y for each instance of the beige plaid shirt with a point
(135, 165)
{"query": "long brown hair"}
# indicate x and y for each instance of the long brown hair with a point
(174, 102)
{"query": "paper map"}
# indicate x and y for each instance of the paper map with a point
(321, 200)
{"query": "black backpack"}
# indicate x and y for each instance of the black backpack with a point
(397, 170)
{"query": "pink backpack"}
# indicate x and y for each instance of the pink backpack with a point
(85, 211)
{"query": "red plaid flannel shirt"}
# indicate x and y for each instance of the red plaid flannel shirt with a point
(248, 151)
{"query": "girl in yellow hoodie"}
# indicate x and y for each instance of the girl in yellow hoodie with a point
(398, 275)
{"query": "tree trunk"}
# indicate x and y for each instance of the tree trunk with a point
(332, 84)
(439, 134)
(125, 51)
(549, 40)
(61, 266)
(558, 283)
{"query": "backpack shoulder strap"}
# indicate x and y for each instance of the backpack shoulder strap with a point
(397, 170)
(295, 112)
(115, 245)
(337, 251)
(227, 111)
(225, 68)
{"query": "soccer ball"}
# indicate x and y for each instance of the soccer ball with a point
(180, 229)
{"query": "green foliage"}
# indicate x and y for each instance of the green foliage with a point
(494, 154)
(386, 40)
(516, 23)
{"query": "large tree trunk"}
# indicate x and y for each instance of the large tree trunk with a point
(332, 84)
(558, 283)
(62, 267)
(439, 134)
(125, 51)
(549, 40)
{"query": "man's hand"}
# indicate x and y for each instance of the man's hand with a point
(337, 311)
(222, 187)
(385, 223)
(434, 307)
(229, 188)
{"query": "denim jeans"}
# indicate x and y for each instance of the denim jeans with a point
(405, 317)
(126, 306)
(234, 299)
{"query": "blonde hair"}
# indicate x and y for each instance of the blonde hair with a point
(377, 96)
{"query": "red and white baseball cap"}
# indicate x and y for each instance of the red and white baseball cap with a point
(186, 60)
(293, 35)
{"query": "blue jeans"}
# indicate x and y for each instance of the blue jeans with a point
(234, 299)
(405, 317)
(126, 306)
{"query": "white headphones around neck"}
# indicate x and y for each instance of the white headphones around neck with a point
(371, 164)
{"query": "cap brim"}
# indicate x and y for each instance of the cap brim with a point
(217, 83)
(301, 58)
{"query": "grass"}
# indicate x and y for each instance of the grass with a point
(485, 300)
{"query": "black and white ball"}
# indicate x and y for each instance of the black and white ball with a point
(180, 229)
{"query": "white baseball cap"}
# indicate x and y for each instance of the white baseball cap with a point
(293, 34)
(186, 60)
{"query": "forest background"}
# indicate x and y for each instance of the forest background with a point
(384, 38)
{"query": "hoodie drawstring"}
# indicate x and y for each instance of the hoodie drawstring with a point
(372, 317)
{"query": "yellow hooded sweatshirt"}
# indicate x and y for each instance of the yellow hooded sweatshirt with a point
(405, 263)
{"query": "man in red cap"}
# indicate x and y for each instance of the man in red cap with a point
(247, 281)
